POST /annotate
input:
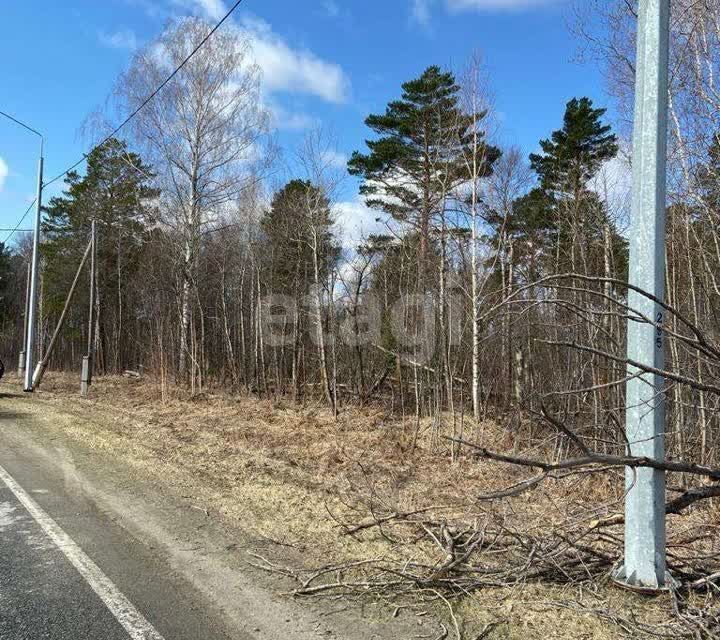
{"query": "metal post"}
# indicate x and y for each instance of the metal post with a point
(31, 301)
(21, 359)
(33, 304)
(645, 562)
(85, 376)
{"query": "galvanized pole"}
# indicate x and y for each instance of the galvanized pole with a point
(645, 562)
(26, 356)
(33, 304)
(21, 360)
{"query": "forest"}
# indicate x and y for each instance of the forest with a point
(495, 290)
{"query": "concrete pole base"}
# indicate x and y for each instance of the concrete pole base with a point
(39, 373)
(85, 377)
(21, 365)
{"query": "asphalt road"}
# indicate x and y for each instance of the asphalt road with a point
(94, 547)
(69, 572)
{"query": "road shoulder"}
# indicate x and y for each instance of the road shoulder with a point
(170, 521)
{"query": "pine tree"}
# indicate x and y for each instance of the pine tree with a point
(289, 255)
(420, 155)
(299, 254)
(563, 212)
(7, 284)
(116, 193)
(574, 154)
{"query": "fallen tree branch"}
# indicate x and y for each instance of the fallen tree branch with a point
(691, 496)
(376, 522)
(563, 429)
(663, 373)
(592, 460)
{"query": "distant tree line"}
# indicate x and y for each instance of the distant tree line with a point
(489, 274)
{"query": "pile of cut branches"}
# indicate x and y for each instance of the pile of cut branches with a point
(539, 529)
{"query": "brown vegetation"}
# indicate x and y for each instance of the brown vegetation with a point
(469, 446)
(356, 511)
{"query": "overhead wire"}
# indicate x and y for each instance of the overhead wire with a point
(17, 226)
(152, 95)
(15, 229)
(127, 119)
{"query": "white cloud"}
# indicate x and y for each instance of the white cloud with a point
(355, 221)
(331, 8)
(293, 70)
(335, 159)
(284, 68)
(151, 8)
(420, 10)
(3, 173)
(282, 118)
(613, 183)
(122, 39)
(213, 9)
(480, 5)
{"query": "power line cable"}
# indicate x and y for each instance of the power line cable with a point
(153, 94)
(17, 226)
(15, 229)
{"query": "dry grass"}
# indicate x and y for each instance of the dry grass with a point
(291, 474)
(265, 454)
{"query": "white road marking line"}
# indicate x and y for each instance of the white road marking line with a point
(137, 627)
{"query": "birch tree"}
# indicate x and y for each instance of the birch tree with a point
(202, 131)
(476, 102)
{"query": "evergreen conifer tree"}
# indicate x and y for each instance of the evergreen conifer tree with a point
(563, 219)
(420, 154)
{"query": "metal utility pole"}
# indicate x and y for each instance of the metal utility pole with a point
(33, 304)
(645, 562)
(21, 360)
(31, 301)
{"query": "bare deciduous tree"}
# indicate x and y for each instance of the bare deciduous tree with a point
(203, 133)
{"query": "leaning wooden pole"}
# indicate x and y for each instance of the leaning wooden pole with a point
(42, 365)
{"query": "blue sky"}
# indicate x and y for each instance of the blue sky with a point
(324, 61)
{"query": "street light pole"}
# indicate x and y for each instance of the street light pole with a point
(33, 305)
(645, 552)
(21, 360)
